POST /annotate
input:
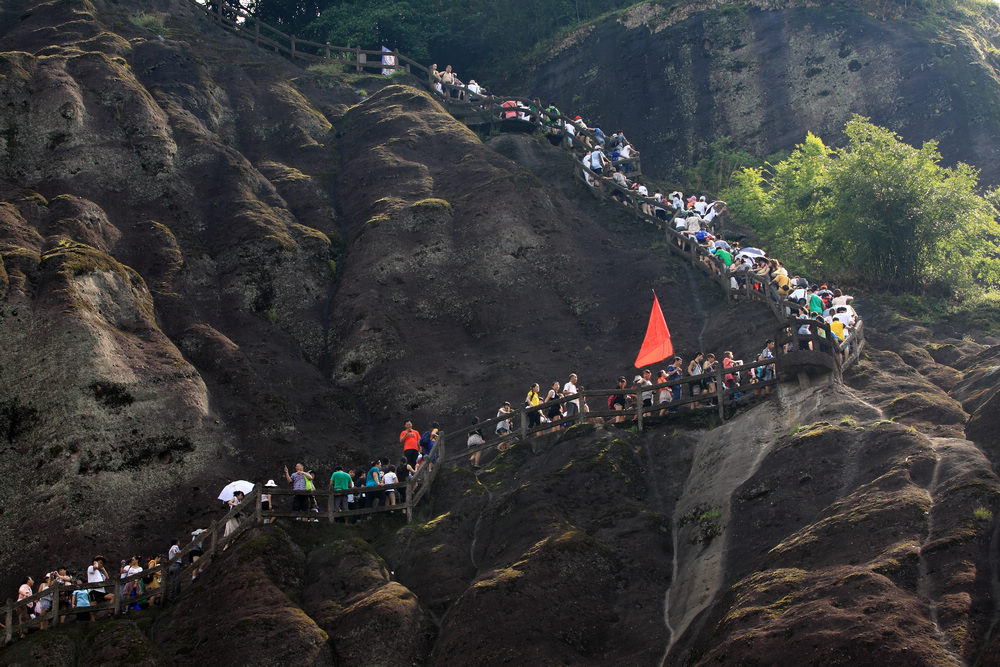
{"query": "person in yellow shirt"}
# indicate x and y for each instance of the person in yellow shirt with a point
(530, 401)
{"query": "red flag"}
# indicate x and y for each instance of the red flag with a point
(656, 346)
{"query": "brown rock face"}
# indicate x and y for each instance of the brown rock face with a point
(215, 263)
(163, 315)
(678, 77)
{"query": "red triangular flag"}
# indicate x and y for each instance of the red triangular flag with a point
(656, 346)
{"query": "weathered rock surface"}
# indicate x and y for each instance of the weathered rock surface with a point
(678, 77)
(214, 263)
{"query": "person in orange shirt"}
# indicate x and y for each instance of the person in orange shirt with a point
(410, 439)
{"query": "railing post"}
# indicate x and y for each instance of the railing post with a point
(8, 634)
(214, 535)
(258, 509)
(55, 602)
(329, 506)
(409, 494)
(720, 390)
(524, 424)
(638, 408)
(118, 595)
(395, 60)
(328, 50)
(357, 59)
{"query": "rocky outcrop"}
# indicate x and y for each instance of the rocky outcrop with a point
(677, 78)
(163, 315)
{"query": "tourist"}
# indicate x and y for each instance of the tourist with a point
(81, 600)
(132, 588)
(475, 439)
(174, 553)
(504, 426)
(695, 368)
(96, 574)
(428, 438)
(569, 389)
(404, 471)
(664, 395)
(410, 439)
(554, 412)
(597, 161)
(840, 299)
(646, 382)
(300, 503)
(265, 499)
(341, 481)
(389, 477)
(232, 523)
(618, 400)
(530, 401)
(25, 590)
(153, 582)
(65, 597)
(675, 372)
(44, 603)
(373, 478)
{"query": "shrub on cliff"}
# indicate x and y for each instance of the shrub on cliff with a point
(876, 210)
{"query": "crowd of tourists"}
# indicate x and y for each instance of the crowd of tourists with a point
(607, 161)
(139, 592)
(380, 483)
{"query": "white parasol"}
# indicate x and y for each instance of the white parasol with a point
(230, 490)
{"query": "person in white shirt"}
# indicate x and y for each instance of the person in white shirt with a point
(97, 574)
(390, 477)
(572, 408)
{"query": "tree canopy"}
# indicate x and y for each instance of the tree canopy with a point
(876, 210)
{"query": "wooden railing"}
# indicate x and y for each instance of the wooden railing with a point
(174, 576)
(408, 494)
(266, 36)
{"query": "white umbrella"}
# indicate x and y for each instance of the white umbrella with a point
(751, 252)
(239, 485)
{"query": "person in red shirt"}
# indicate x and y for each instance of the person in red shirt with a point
(410, 439)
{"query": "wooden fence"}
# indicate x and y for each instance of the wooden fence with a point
(368, 499)
(174, 576)
(266, 36)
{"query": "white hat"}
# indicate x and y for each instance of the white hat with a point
(270, 482)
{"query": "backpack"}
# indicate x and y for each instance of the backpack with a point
(425, 440)
(611, 402)
(309, 485)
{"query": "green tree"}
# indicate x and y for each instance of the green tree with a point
(371, 24)
(877, 209)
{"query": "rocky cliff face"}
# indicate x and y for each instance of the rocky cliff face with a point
(763, 74)
(163, 301)
(214, 263)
